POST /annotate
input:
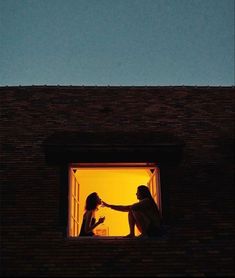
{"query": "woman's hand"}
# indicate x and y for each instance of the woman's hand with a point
(101, 220)
(105, 204)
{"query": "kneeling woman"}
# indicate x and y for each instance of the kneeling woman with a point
(89, 221)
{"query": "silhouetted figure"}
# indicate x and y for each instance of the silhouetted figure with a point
(89, 221)
(144, 214)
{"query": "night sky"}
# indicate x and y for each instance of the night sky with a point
(117, 42)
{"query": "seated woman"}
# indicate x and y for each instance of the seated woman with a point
(89, 221)
(144, 214)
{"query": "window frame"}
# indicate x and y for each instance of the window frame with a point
(73, 204)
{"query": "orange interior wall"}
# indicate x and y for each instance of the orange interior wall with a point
(115, 186)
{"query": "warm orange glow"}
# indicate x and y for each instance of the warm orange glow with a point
(114, 185)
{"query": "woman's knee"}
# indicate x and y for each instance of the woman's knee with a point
(137, 214)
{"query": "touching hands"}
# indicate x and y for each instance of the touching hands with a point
(105, 204)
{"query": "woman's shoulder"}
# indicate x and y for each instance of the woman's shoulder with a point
(88, 213)
(145, 201)
(141, 204)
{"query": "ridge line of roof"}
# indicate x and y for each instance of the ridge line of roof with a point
(118, 86)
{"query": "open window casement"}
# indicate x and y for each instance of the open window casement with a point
(155, 187)
(74, 204)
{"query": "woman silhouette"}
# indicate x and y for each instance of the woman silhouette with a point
(144, 214)
(89, 221)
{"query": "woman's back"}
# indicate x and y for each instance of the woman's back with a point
(83, 230)
(149, 208)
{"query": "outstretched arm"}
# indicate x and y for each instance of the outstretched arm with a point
(117, 207)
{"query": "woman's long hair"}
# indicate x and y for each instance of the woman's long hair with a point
(92, 201)
(145, 193)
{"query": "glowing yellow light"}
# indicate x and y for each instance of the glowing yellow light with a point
(114, 186)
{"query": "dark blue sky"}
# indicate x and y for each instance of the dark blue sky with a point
(117, 42)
